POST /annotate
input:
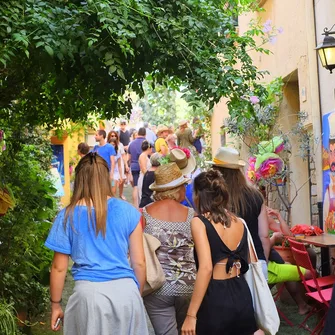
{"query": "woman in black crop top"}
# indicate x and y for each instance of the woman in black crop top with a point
(245, 201)
(221, 302)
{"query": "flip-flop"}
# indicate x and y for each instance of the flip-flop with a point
(123, 197)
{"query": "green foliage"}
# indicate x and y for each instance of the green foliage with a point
(257, 122)
(66, 59)
(7, 318)
(24, 261)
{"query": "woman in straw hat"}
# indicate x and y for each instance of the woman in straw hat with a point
(185, 138)
(169, 221)
(221, 302)
(245, 200)
(160, 145)
(97, 231)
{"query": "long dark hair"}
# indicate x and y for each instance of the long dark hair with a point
(242, 197)
(113, 132)
(211, 197)
(91, 185)
(115, 141)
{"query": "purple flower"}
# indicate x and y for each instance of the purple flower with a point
(254, 99)
(1, 135)
(280, 30)
(267, 26)
(273, 39)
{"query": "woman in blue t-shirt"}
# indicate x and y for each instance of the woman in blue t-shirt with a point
(98, 231)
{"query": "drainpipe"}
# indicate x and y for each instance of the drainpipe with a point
(315, 97)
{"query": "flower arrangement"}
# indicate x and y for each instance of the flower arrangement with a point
(266, 163)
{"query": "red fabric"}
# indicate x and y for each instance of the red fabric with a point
(306, 230)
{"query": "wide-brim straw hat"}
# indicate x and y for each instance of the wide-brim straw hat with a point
(186, 165)
(168, 177)
(182, 122)
(228, 158)
(162, 128)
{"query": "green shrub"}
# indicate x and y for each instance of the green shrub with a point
(24, 261)
(8, 325)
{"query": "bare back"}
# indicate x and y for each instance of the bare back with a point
(168, 210)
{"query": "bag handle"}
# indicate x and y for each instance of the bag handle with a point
(252, 251)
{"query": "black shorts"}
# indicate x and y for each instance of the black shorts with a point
(135, 175)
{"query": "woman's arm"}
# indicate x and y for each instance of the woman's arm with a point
(142, 161)
(124, 157)
(203, 276)
(281, 225)
(263, 231)
(58, 272)
(136, 253)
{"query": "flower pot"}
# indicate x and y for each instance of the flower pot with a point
(285, 253)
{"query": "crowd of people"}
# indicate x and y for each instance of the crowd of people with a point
(199, 219)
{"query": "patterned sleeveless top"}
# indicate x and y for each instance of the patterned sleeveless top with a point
(175, 253)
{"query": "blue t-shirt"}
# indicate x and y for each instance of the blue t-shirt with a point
(135, 149)
(105, 151)
(95, 258)
(189, 196)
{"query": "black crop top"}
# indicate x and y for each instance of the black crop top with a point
(220, 251)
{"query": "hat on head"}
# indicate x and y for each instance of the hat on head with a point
(168, 177)
(186, 165)
(154, 159)
(182, 122)
(162, 128)
(228, 158)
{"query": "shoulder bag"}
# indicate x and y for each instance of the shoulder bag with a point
(266, 313)
(154, 272)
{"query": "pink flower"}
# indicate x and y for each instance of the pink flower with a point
(187, 152)
(280, 148)
(270, 167)
(254, 99)
(251, 174)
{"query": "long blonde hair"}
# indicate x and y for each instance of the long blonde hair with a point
(93, 187)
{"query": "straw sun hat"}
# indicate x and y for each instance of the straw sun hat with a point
(186, 165)
(168, 177)
(228, 158)
(182, 122)
(162, 128)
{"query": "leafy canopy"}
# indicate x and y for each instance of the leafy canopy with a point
(65, 59)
